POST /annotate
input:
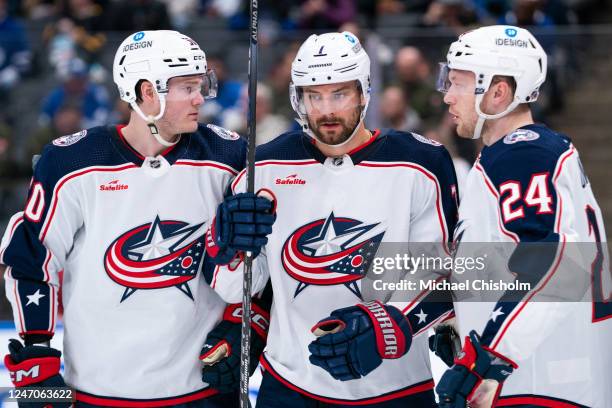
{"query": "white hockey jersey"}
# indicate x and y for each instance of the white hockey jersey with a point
(127, 232)
(529, 188)
(332, 214)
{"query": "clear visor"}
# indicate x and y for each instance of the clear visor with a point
(457, 82)
(317, 100)
(207, 88)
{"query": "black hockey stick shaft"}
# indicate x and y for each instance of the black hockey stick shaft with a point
(245, 340)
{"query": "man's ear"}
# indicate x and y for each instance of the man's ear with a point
(502, 93)
(147, 91)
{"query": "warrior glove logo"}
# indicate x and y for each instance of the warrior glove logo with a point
(159, 254)
(331, 251)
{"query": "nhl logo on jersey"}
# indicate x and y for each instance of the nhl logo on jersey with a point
(224, 133)
(68, 140)
(522, 135)
(156, 255)
(331, 251)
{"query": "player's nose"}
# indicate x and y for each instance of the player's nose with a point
(198, 99)
(448, 98)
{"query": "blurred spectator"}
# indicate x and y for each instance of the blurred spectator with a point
(15, 55)
(223, 8)
(415, 78)
(39, 9)
(181, 12)
(396, 113)
(228, 94)
(76, 89)
(67, 120)
(139, 15)
(269, 125)
(9, 167)
(531, 13)
(279, 80)
(121, 113)
(325, 14)
(401, 6)
(78, 32)
(455, 14)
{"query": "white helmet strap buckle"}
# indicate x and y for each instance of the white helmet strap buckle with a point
(150, 119)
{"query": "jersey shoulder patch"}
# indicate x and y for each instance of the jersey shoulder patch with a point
(521, 135)
(68, 140)
(424, 139)
(223, 133)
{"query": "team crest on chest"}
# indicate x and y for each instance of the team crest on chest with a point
(156, 255)
(331, 251)
(69, 139)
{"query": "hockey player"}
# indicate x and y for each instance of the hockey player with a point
(527, 188)
(341, 190)
(122, 211)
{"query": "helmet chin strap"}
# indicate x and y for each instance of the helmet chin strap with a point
(150, 119)
(484, 116)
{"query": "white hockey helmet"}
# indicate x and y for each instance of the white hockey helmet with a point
(329, 59)
(157, 56)
(498, 50)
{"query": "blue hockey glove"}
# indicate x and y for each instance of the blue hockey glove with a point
(242, 223)
(354, 340)
(35, 366)
(221, 352)
(473, 365)
(445, 343)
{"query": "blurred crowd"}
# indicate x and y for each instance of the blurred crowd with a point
(56, 78)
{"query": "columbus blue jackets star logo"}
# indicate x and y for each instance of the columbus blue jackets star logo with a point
(331, 251)
(159, 254)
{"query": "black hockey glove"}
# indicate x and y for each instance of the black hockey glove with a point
(221, 352)
(242, 224)
(354, 340)
(35, 366)
(465, 383)
(445, 343)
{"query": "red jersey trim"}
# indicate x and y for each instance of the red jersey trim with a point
(536, 401)
(413, 389)
(125, 142)
(557, 173)
(493, 191)
(13, 224)
(498, 338)
(430, 176)
(135, 403)
(367, 143)
(206, 163)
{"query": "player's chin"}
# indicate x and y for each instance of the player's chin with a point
(190, 126)
(331, 137)
(464, 132)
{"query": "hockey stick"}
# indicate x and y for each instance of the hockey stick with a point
(245, 339)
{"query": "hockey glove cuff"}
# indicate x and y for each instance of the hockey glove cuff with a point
(35, 366)
(242, 223)
(475, 364)
(354, 340)
(221, 352)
